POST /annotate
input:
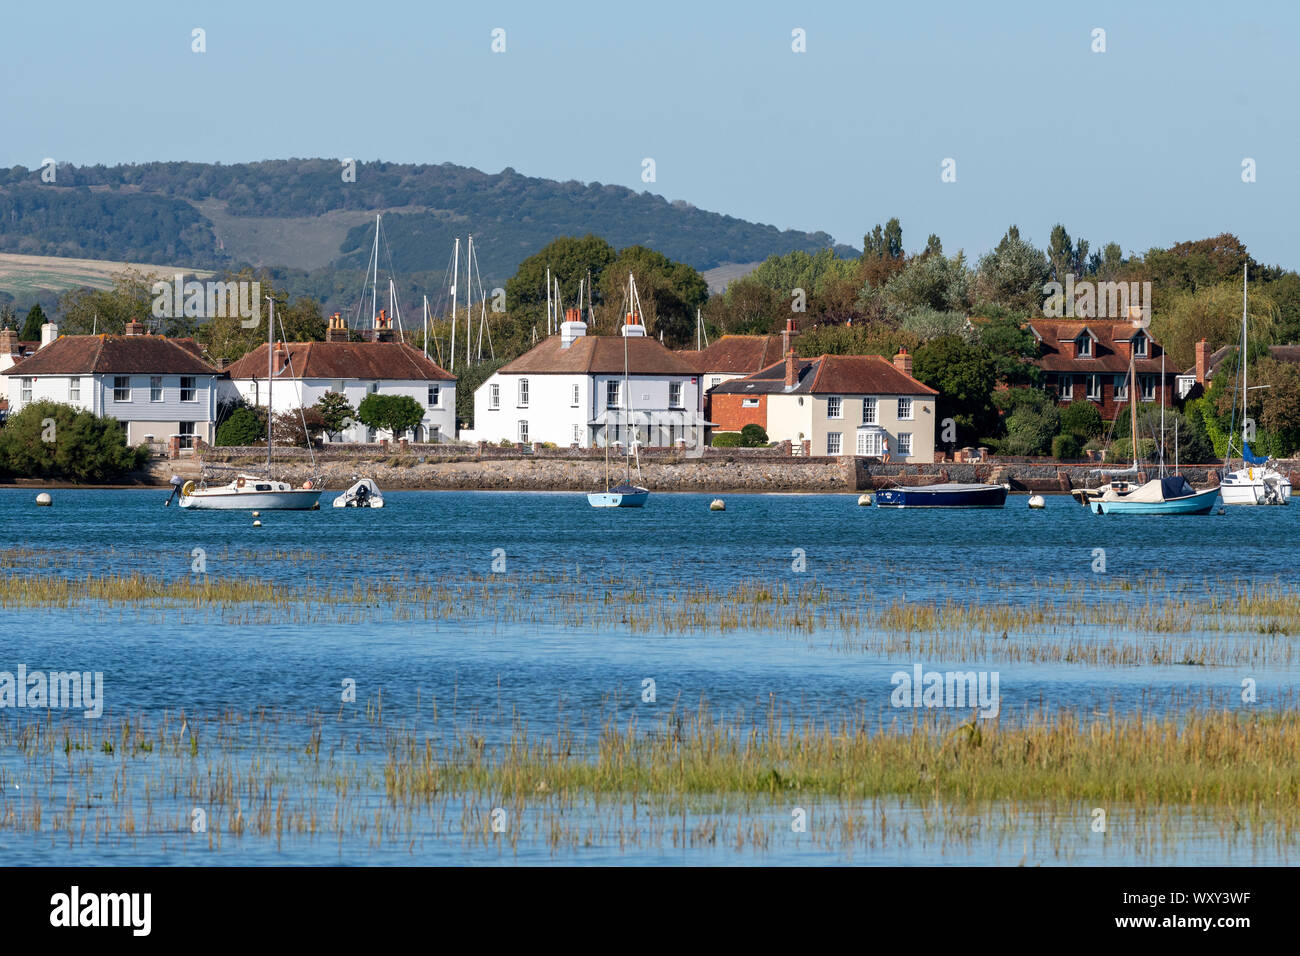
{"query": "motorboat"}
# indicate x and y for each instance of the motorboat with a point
(364, 494)
(944, 495)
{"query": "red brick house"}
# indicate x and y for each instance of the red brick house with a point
(731, 357)
(1088, 360)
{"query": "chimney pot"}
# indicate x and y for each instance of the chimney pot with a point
(135, 327)
(903, 362)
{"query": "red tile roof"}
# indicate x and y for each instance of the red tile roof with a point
(600, 355)
(1107, 355)
(368, 360)
(736, 354)
(831, 375)
(115, 355)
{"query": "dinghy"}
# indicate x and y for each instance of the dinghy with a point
(364, 494)
(946, 495)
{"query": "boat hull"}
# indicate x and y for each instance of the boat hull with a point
(969, 496)
(618, 499)
(297, 500)
(1248, 487)
(1201, 503)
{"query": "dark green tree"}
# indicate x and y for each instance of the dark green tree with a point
(31, 331)
(965, 376)
(51, 440)
(336, 412)
(397, 414)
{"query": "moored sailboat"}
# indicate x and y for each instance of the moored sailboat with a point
(626, 494)
(245, 491)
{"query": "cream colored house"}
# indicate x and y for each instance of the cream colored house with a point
(840, 404)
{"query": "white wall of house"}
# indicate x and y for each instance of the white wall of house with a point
(438, 398)
(559, 408)
(808, 417)
(151, 406)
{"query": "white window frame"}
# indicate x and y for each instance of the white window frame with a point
(434, 396)
(74, 388)
(1065, 387)
(155, 388)
(1083, 345)
(904, 444)
(1141, 345)
(715, 381)
(749, 403)
(494, 396)
(26, 389)
(117, 388)
(906, 408)
(1121, 388)
(523, 395)
(577, 433)
(523, 431)
(1094, 393)
(676, 391)
(193, 389)
(834, 443)
(1149, 384)
(575, 395)
(870, 411)
(613, 393)
(187, 432)
(834, 406)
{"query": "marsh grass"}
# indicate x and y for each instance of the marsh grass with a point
(694, 779)
(1096, 620)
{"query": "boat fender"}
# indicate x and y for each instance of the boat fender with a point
(187, 489)
(307, 484)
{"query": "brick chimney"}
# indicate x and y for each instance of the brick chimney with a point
(281, 358)
(8, 342)
(338, 329)
(384, 327)
(787, 346)
(903, 362)
(1202, 361)
(135, 327)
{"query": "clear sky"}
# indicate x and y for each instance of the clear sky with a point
(1142, 144)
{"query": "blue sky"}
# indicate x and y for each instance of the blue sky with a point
(1142, 144)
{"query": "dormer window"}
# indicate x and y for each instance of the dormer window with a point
(1140, 345)
(1083, 346)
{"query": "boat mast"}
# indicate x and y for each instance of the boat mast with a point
(1162, 413)
(374, 280)
(270, 363)
(455, 278)
(426, 326)
(469, 294)
(1244, 269)
(1132, 404)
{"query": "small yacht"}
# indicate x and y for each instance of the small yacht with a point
(249, 492)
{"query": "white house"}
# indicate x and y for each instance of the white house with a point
(156, 386)
(570, 390)
(301, 372)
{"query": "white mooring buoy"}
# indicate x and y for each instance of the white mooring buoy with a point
(44, 499)
(717, 504)
(1037, 501)
(864, 501)
(257, 524)
(257, 514)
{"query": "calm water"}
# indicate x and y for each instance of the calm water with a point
(485, 674)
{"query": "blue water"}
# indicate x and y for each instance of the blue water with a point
(486, 673)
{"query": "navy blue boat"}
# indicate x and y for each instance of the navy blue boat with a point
(948, 495)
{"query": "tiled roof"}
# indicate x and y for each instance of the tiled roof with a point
(1055, 334)
(736, 354)
(1283, 353)
(364, 360)
(600, 355)
(115, 355)
(831, 375)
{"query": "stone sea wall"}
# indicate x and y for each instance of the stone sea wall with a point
(716, 470)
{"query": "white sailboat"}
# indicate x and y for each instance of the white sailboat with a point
(1257, 481)
(246, 491)
(625, 494)
(1120, 482)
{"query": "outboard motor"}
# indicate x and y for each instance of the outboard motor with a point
(176, 482)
